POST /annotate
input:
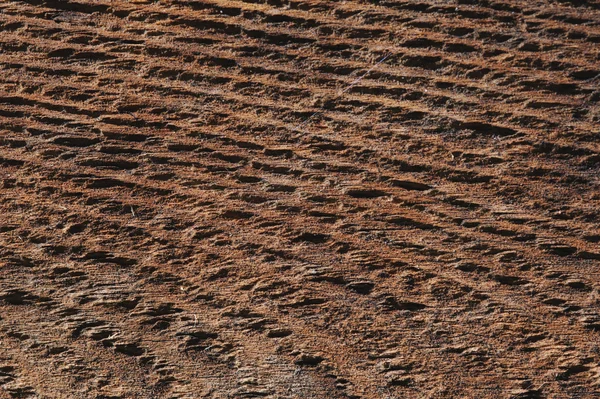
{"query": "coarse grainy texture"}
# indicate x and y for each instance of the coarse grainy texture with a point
(299, 199)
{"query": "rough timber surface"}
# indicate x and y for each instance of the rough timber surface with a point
(173, 225)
